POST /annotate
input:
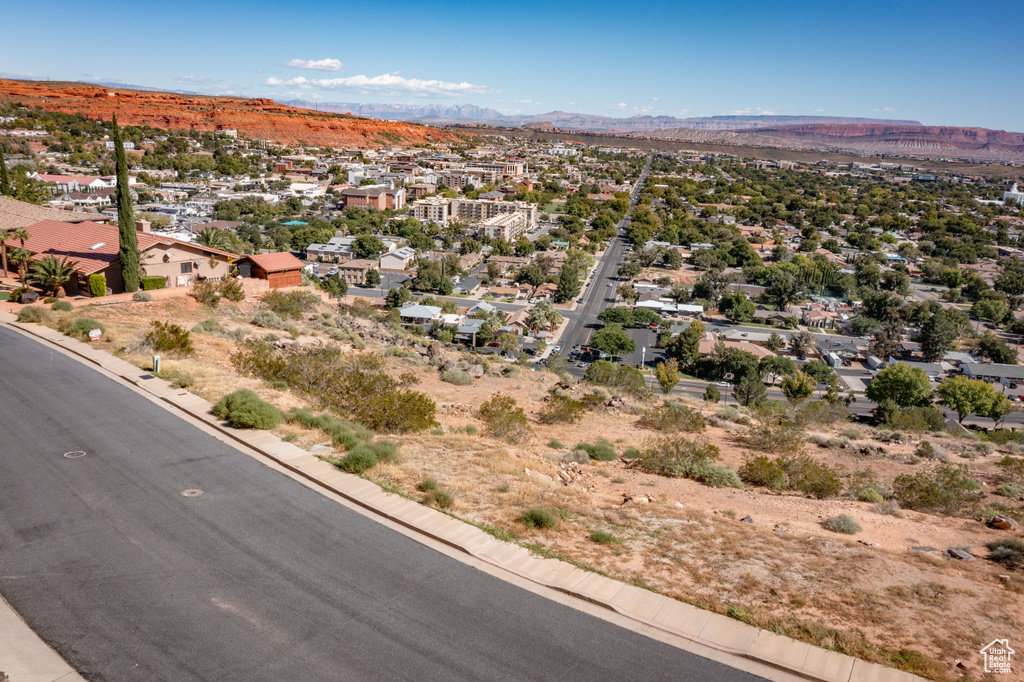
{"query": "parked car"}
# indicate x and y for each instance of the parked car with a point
(722, 384)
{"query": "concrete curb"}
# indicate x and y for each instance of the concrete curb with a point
(708, 634)
(24, 657)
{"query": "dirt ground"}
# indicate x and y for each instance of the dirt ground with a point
(759, 556)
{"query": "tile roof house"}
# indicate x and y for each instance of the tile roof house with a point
(16, 214)
(94, 247)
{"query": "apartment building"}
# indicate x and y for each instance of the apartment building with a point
(458, 179)
(437, 209)
(507, 226)
(505, 169)
(477, 210)
(379, 198)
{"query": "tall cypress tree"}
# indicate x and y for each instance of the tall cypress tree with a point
(127, 237)
(5, 180)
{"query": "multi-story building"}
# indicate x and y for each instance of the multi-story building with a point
(476, 210)
(437, 209)
(458, 179)
(507, 226)
(505, 169)
(354, 271)
(379, 198)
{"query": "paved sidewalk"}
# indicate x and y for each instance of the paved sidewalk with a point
(708, 634)
(24, 657)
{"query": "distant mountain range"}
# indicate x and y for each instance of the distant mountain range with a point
(439, 114)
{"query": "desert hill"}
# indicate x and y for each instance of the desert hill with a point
(258, 118)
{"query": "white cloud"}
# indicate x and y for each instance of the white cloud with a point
(756, 111)
(817, 111)
(196, 80)
(315, 64)
(526, 101)
(20, 76)
(887, 110)
(387, 84)
(621, 106)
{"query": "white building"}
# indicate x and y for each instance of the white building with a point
(507, 226)
(437, 209)
(1014, 195)
(128, 145)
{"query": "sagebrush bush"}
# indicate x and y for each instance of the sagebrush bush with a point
(442, 499)
(764, 472)
(290, 304)
(31, 314)
(925, 450)
(267, 319)
(365, 456)
(211, 293)
(456, 376)
(539, 518)
(869, 494)
(670, 417)
(602, 450)
(62, 306)
(603, 537)
(1010, 490)
(792, 472)
(80, 328)
(852, 433)
(561, 408)
(169, 338)
(555, 443)
(504, 419)
(775, 435)
(210, 325)
(142, 297)
(243, 409)
(842, 524)
(947, 489)
(889, 507)
(678, 457)
(918, 419)
(1007, 551)
(630, 453)
(344, 434)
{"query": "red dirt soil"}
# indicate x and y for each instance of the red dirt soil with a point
(260, 118)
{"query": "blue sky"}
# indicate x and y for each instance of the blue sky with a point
(941, 63)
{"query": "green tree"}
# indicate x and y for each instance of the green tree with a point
(750, 391)
(628, 293)
(992, 310)
(686, 346)
(397, 297)
(52, 273)
(368, 246)
(712, 394)
(775, 366)
(508, 341)
(128, 240)
(782, 291)
(938, 337)
(995, 349)
(736, 306)
(568, 285)
(372, 278)
(803, 343)
(214, 238)
(668, 375)
(775, 342)
(998, 409)
(612, 340)
(966, 396)
(819, 371)
(798, 388)
(629, 270)
(543, 315)
(1011, 281)
(904, 385)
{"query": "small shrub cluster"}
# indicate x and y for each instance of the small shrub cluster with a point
(80, 328)
(355, 385)
(177, 378)
(561, 408)
(603, 537)
(776, 435)
(268, 319)
(210, 325)
(434, 495)
(290, 304)
(31, 314)
(97, 285)
(243, 409)
(169, 338)
(678, 457)
(211, 293)
(602, 450)
(539, 518)
(673, 416)
(733, 414)
(792, 472)
(620, 377)
(150, 282)
(925, 450)
(1007, 551)
(841, 524)
(918, 419)
(142, 297)
(62, 306)
(1015, 490)
(344, 434)
(504, 419)
(947, 489)
(459, 377)
(364, 457)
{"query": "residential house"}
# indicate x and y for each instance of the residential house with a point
(994, 373)
(16, 214)
(399, 259)
(545, 292)
(420, 314)
(93, 247)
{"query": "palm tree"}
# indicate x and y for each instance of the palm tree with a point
(53, 273)
(21, 258)
(213, 238)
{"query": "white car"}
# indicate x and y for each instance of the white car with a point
(722, 384)
(558, 349)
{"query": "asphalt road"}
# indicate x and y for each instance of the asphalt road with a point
(258, 578)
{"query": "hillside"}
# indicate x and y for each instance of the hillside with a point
(973, 143)
(256, 118)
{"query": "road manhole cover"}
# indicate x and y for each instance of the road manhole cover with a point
(75, 454)
(191, 492)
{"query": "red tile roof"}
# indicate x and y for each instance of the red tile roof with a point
(277, 262)
(93, 245)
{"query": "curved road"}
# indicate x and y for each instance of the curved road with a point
(258, 578)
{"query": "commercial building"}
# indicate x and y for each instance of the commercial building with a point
(478, 210)
(507, 226)
(379, 198)
(437, 209)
